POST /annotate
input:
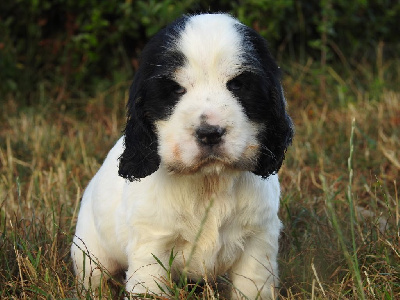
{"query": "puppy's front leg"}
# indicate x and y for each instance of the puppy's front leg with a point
(255, 274)
(145, 274)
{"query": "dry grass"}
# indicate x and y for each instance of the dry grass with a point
(317, 202)
(341, 237)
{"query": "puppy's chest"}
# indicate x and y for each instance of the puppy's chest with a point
(210, 242)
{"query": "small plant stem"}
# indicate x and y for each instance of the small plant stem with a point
(351, 258)
(356, 269)
(203, 221)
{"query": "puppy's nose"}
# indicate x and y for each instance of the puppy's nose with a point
(209, 134)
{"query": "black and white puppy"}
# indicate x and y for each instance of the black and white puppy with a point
(195, 171)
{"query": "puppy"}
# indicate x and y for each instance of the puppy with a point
(195, 171)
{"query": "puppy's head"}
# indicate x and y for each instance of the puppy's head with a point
(207, 96)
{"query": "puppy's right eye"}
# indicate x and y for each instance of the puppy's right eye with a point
(234, 85)
(179, 90)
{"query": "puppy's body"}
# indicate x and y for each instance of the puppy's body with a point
(207, 131)
(123, 224)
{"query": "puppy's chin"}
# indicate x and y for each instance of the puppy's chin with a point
(209, 166)
(208, 160)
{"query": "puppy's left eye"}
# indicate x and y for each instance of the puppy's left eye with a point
(234, 85)
(179, 90)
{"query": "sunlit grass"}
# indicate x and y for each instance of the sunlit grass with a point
(341, 236)
(322, 202)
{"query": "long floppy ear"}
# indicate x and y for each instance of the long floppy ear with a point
(277, 126)
(140, 157)
(276, 135)
(148, 102)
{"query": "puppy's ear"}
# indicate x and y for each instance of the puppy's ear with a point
(140, 157)
(276, 135)
(148, 102)
(277, 126)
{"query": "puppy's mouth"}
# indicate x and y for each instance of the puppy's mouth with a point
(207, 165)
(215, 160)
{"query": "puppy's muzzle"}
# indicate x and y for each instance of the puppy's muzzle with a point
(209, 135)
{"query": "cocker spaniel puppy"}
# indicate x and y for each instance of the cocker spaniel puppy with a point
(195, 171)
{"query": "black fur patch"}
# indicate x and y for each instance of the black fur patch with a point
(151, 97)
(263, 101)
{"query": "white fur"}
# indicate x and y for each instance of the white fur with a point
(214, 57)
(122, 224)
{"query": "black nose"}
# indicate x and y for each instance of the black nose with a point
(209, 134)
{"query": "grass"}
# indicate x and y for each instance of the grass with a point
(340, 195)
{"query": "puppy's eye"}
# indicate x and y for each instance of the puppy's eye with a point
(179, 90)
(234, 85)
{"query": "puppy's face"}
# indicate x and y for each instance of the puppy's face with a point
(206, 97)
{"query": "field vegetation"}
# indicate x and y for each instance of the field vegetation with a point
(340, 180)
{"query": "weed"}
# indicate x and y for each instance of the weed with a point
(341, 238)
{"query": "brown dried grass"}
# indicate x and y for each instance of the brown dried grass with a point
(47, 157)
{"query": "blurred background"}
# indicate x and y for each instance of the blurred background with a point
(65, 50)
(65, 71)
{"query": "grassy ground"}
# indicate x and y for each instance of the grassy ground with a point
(341, 237)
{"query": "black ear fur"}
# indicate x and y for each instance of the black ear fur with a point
(140, 157)
(278, 129)
(148, 103)
(276, 136)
